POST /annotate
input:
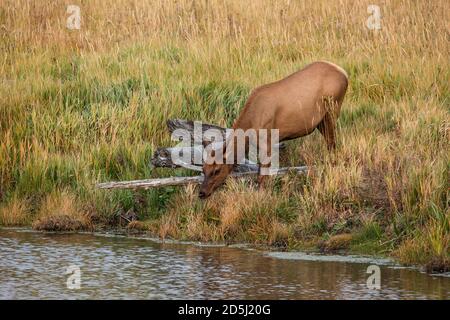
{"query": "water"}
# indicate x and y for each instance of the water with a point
(33, 266)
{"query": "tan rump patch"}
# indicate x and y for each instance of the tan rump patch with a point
(340, 69)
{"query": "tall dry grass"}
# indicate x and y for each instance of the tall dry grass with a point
(89, 105)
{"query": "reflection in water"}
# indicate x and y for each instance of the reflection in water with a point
(33, 265)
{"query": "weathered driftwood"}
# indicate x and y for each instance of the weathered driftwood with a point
(162, 158)
(188, 125)
(179, 181)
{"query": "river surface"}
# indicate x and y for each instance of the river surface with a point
(86, 266)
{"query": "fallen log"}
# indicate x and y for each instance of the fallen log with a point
(179, 181)
(188, 125)
(162, 158)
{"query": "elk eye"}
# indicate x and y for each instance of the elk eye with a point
(215, 172)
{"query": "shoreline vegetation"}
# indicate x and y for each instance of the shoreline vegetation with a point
(79, 107)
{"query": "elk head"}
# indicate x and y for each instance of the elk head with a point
(215, 170)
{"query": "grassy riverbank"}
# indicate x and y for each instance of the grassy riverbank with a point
(83, 106)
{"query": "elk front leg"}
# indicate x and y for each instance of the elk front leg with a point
(262, 178)
(265, 160)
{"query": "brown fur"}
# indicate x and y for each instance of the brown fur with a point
(296, 105)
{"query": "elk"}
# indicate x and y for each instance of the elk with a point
(306, 100)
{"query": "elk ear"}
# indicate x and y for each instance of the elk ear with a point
(206, 143)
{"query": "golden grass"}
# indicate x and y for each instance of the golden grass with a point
(14, 214)
(431, 245)
(61, 212)
(336, 242)
(137, 226)
(89, 105)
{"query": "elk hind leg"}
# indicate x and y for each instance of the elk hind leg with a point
(327, 128)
